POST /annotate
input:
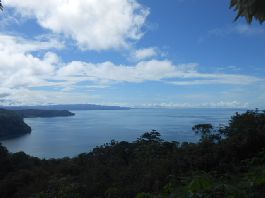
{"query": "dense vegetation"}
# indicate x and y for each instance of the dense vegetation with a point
(227, 162)
(11, 125)
(33, 113)
(249, 9)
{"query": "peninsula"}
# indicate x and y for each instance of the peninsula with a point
(34, 113)
(12, 125)
(12, 121)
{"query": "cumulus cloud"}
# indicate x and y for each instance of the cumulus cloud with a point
(93, 24)
(10, 43)
(4, 92)
(24, 63)
(24, 75)
(145, 53)
(152, 70)
(19, 67)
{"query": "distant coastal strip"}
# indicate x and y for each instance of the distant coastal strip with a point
(70, 107)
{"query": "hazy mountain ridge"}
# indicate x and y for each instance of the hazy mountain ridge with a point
(67, 107)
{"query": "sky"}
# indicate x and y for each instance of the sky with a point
(137, 53)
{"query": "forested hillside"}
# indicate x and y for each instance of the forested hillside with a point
(12, 125)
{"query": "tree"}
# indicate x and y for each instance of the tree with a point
(249, 9)
(1, 5)
(207, 133)
(204, 130)
(152, 136)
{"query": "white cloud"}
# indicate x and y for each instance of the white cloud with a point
(152, 70)
(145, 53)
(51, 58)
(226, 104)
(230, 79)
(249, 30)
(25, 69)
(24, 96)
(240, 29)
(217, 104)
(93, 24)
(18, 66)
(11, 43)
(4, 92)
(21, 71)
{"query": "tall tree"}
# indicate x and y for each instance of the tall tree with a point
(249, 9)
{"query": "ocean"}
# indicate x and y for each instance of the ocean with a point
(69, 136)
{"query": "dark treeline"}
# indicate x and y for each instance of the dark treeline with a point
(227, 162)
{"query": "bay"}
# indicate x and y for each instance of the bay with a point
(69, 136)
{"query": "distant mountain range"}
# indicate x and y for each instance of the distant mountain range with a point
(67, 107)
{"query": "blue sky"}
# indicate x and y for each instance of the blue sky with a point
(178, 53)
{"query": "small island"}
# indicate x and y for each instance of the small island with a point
(12, 125)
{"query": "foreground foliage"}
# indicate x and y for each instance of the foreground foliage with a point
(226, 162)
(249, 9)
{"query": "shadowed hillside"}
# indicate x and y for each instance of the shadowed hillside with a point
(12, 125)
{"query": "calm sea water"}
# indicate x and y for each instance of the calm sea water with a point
(69, 136)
